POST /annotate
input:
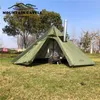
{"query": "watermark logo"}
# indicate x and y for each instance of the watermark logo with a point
(23, 9)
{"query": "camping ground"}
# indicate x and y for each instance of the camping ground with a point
(49, 81)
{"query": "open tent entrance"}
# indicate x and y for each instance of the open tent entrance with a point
(50, 52)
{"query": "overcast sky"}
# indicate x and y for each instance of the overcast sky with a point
(81, 14)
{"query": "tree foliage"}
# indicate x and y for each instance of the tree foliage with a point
(32, 24)
(85, 41)
(90, 41)
(50, 18)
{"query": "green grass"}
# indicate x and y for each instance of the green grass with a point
(49, 81)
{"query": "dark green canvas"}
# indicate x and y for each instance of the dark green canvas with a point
(39, 49)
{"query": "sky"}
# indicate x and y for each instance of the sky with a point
(81, 15)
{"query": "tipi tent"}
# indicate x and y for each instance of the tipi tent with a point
(53, 40)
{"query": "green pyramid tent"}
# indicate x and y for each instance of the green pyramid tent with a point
(53, 39)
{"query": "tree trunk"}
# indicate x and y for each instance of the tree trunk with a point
(91, 48)
(99, 45)
(24, 42)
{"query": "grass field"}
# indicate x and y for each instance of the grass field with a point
(49, 81)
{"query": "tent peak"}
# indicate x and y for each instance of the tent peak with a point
(54, 31)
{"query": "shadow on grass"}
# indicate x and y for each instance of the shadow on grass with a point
(38, 62)
(63, 61)
(42, 61)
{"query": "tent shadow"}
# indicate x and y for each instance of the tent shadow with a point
(38, 62)
(81, 66)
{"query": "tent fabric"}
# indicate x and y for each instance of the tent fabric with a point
(39, 49)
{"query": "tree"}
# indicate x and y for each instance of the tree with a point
(21, 25)
(95, 38)
(29, 25)
(50, 18)
(1, 43)
(90, 40)
(98, 38)
(85, 41)
(92, 37)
